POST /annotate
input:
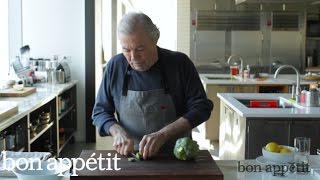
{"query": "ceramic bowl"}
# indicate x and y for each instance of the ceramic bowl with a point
(44, 173)
(279, 157)
(18, 87)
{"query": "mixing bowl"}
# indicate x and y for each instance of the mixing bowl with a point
(32, 171)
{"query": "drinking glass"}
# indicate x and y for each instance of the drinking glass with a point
(301, 157)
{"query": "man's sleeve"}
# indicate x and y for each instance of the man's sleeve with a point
(199, 107)
(104, 108)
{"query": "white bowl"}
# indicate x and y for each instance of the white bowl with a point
(18, 87)
(46, 172)
(279, 157)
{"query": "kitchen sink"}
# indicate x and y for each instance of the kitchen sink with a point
(268, 103)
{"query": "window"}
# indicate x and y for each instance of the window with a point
(4, 43)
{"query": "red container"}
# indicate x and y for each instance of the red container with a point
(234, 70)
(264, 103)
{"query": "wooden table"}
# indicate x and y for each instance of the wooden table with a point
(163, 166)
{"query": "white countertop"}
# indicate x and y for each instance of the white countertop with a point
(230, 170)
(281, 79)
(231, 100)
(45, 92)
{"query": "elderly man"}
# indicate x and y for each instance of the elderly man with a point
(156, 93)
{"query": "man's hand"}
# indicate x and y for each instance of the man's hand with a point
(151, 143)
(123, 144)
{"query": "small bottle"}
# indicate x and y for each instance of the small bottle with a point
(248, 68)
(245, 74)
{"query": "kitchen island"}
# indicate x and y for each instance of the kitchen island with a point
(222, 83)
(245, 130)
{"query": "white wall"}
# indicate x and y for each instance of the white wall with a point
(4, 50)
(164, 15)
(58, 27)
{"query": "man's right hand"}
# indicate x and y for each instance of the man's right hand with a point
(123, 144)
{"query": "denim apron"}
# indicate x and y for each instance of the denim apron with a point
(145, 112)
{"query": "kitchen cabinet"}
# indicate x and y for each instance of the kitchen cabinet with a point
(46, 121)
(232, 132)
(272, 88)
(261, 131)
(305, 127)
(243, 138)
(209, 130)
(66, 118)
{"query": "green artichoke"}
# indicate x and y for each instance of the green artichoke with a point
(186, 148)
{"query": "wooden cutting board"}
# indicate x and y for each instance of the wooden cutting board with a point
(15, 93)
(163, 166)
(7, 109)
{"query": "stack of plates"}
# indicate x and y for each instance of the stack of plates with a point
(45, 118)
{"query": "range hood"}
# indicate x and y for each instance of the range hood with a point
(309, 2)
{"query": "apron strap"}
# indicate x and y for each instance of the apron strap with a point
(164, 78)
(125, 82)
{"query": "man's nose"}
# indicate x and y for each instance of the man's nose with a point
(133, 54)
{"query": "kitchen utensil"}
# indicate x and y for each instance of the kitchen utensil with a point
(58, 77)
(63, 66)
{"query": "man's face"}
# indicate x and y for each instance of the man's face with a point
(139, 50)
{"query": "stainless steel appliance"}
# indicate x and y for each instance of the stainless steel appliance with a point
(63, 66)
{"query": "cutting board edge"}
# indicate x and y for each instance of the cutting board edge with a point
(18, 93)
(9, 113)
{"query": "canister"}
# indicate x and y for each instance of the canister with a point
(303, 96)
(308, 98)
(312, 98)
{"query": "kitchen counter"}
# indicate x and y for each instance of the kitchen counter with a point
(45, 92)
(281, 79)
(231, 100)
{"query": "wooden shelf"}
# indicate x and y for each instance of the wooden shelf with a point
(35, 141)
(42, 130)
(69, 134)
(64, 113)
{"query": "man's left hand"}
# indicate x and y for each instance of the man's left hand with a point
(151, 143)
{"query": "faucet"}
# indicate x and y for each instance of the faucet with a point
(241, 65)
(297, 93)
